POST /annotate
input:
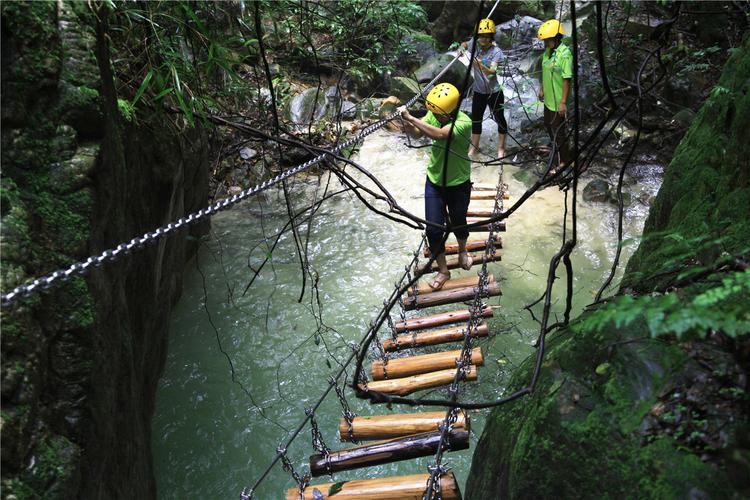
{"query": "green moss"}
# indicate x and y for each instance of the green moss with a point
(706, 189)
(54, 463)
(34, 24)
(126, 110)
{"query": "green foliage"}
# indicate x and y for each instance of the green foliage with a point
(127, 111)
(362, 37)
(719, 306)
(188, 50)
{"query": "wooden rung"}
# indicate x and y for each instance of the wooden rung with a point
(452, 262)
(471, 245)
(385, 452)
(407, 385)
(499, 226)
(438, 319)
(483, 186)
(479, 187)
(433, 337)
(424, 363)
(482, 195)
(480, 212)
(381, 488)
(424, 288)
(449, 296)
(397, 425)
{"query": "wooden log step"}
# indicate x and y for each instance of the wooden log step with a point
(407, 385)
(433, 337)
(381, 488)
(480, 212)
(385, 452)
(452, 262)
(424, 363)
(397, 425)
(423, 288)
(485, 195)
(483, 186)
(449, 296)
(479, 187)
(471, 245)
(499, 226)
(438, 320)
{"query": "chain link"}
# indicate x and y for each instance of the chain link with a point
(44, 283)
(346, 411)
(302, 481)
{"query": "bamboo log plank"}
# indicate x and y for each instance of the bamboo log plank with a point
(479, 187)
(499, 226)
(382, 488)
(442, 297)
(483, 195)
(385, 452)
(480, 212)
(483, 186)
(438, 319)
(452, 262)
(407, 385)
(424, 288)
(397, 425)
(433, 337)
(471, 245)
(423, 363)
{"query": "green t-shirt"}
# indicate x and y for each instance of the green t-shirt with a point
(459, 165)
(555, 69)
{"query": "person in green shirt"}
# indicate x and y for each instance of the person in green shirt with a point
(448, 183)
(557, 70)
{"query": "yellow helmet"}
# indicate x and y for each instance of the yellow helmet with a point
(550, 29)
(486, 26)
(442, 99)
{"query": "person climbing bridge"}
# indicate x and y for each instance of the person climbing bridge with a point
(448, 183)
(487, 90)
(557, 70)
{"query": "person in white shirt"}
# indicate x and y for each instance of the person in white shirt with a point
(487, 90)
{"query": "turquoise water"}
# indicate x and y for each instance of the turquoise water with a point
(242, 368)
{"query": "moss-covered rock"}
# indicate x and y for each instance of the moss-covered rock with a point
(75, 181)
(616, 412)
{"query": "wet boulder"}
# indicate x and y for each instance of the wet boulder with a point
(404, 88)
(597, 190)
(433, 66)
(308, 106)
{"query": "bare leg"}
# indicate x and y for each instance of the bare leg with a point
(474, 149)
(501, 146)
(463, 256)
(443, 274)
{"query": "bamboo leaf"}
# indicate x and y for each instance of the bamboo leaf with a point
(163, 93)
(144, 85)
(335, 488)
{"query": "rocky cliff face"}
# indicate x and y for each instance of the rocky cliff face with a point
(618, 412)
(80, 362)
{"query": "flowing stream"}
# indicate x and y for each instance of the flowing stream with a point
(242, 367)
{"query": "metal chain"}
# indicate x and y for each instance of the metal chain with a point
(433, 491)
(346, 411)
(317, 438)
(302, 481)
(45, 282)
(391, 326)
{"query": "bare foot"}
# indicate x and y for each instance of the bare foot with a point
(501, 154)
(465, 260)
(439, 280)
